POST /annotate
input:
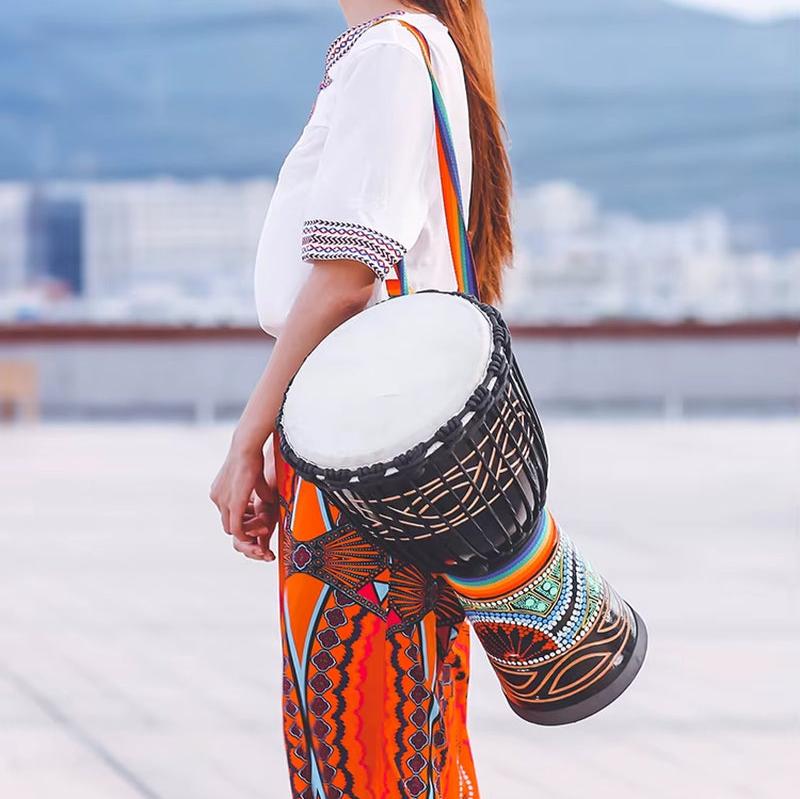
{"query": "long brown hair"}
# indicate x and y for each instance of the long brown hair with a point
(490, 208)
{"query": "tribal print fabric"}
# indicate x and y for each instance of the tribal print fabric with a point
(375, 664)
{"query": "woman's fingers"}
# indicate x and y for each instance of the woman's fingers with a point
(256, 525)
(248, 508)
(225, 518)
(263, 542)
(233, 487)
(264, 491)
(251, 550)
(264, 506)
(224, 507)
(249, 523)
(240, 534)
(236, 511)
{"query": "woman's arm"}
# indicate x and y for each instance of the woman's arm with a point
(334, 291)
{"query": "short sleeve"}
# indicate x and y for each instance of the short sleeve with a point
(368, 201)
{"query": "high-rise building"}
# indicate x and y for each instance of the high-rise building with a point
(55, 225)
(14, 201)
(190, 235)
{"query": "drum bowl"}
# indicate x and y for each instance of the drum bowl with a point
(464, 498)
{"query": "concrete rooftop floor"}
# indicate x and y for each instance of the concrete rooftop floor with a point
(139, 653)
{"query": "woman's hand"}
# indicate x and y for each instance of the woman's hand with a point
(244, 490)
(246, 495)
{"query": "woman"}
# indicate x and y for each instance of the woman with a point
(375, 652)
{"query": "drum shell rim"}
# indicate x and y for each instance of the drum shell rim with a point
(501, 363)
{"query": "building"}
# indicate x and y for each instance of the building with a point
(193, 236)
(578, 263)
(174, 251)
(14, 205)
(55, 231)
(151, 250)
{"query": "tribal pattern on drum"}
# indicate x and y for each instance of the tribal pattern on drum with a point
(478, 490)
(553, 629)
(473, 486)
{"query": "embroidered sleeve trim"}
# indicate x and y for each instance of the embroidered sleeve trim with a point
(324, 240)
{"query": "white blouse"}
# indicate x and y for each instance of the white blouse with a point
(362, 182)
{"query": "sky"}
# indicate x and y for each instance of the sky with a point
(750, 9)
(747, 9)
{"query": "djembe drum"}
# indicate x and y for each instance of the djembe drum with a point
(431, 446)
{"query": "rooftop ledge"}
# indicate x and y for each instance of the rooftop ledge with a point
(59, 333)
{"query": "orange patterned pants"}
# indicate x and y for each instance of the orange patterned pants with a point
(375, 660)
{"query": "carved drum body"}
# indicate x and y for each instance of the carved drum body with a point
(433, 448)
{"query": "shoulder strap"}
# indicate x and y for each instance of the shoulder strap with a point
(460, 248)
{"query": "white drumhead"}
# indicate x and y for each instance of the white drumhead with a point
(386, 380)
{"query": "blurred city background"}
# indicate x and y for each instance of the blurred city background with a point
(655, 302)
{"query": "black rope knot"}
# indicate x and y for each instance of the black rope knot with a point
(480, 400)
(450, 432)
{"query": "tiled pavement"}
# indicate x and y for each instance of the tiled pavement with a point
(139, 654)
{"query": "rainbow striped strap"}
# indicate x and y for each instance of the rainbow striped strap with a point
(460, 248)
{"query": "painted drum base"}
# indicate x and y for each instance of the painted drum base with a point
(580, 710)
(562, 642)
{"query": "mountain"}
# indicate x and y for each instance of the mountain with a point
(657, 109)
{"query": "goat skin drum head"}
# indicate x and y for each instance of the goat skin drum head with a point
(386, 380)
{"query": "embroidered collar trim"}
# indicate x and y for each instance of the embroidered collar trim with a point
(342, 44)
